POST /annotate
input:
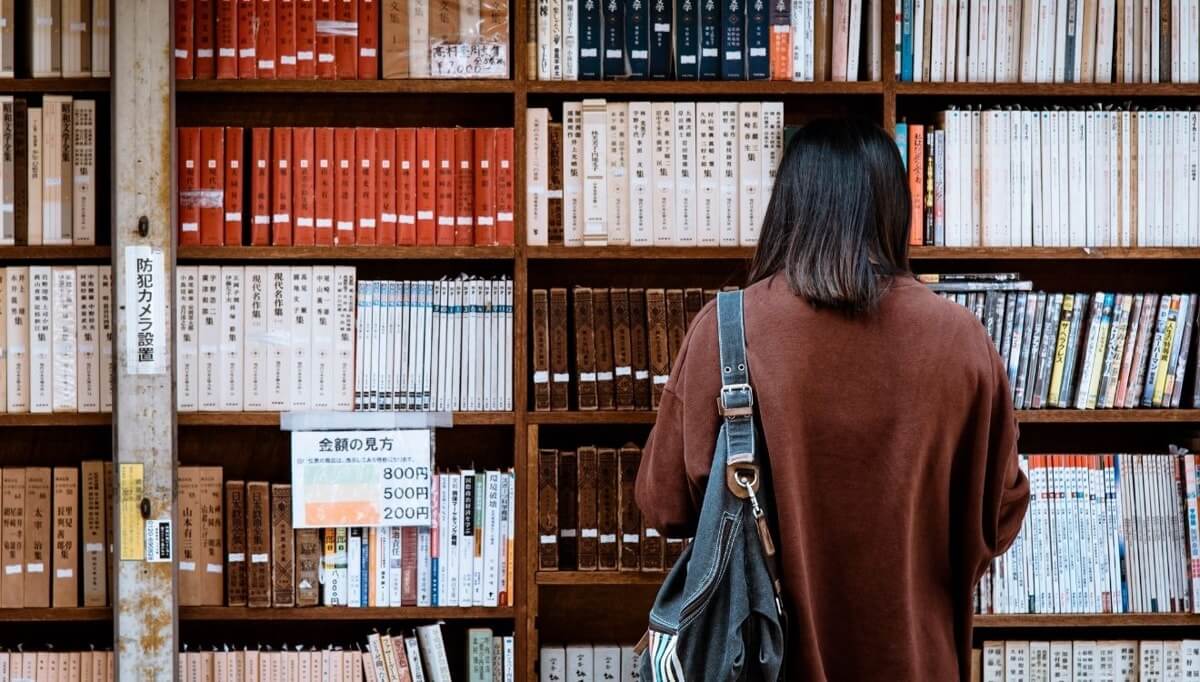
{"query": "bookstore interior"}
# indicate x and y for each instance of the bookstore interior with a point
(331, 330)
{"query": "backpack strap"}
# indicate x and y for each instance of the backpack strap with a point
(736, 401)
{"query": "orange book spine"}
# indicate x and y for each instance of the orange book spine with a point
(368, 39)
(346, 41)
(364, 186)
(306, 39)
(323, 182)
(212, 186)
(205, 39)
(781, 52)
(485, 187)
(444, 180)
(916, 183)
(285, 38)
(281, 185)
(185, 59)
(260, 187)
(505, 188)
(189, 186)
(326, 66)
(302, 187)
(234, 177)
(406, 186)
(265, 49)
(247, 39)
(343, 181)
(385, 189)
(227, 39)
(464, 186)
(426, 203)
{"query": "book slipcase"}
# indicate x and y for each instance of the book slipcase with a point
(564, 607)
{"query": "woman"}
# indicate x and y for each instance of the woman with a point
(887, 418)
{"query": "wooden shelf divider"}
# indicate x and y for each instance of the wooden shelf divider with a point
(604, 578)
(272, 418)
(340, 613)
(54, 253)
(1055, 416)
(1099, 620)
(83, 614)
(342, 253)
(23, 86)
(342, 87)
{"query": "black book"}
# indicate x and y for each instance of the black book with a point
(590, 36)
(637, 37)
(614, 38)
(687, 49)
(660, 39)
(758, 39)
(733, 40)
(710, 39)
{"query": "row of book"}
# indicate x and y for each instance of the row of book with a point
(801, 40)
(341, 39)
(56, 535)
(346, 186)
(1091, 176)
(652, 173)
(1026, 661)
(1103, 534)
(588, 663)
(237, 546)
(1086, 351)
(625, 342)
(588, 518)
(85, 666)
(56, 331)
(47, 171)
(1047, 41)
(62, 38)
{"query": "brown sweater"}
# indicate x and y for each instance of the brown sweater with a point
(893, 447)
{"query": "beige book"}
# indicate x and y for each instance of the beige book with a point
(73, 667)
(83, 179)
(54, 112)
(44, 53)
(101, 30)
(8, 33)
(394, 46)
(3, 340)
(206, 666)
(87, 369)
(8, 186)
(40, 334)
(64, 346)
(16, 305)
(76, 38)
(31, 232)
(104, 320)
(65, 563)
(190, 536)
(12, 537)
(37, 537)
(95, 575)
(210, 559)
(1087, 69)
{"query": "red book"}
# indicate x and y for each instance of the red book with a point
(343, 184)
(364, 185)
(426, 180)
(464, 186)
(234, 176)
(326, 45)
(505, 187)
(324, 186)
(306, 39)
(247, 39)
(185, 62)
(444, 186)
(303, 189)
(406, 186)
(281, 184)
(485, 187)
(265, 49)
(285, 38)
(204, 29)
(189, 186)
(227, 38)
(346, 41)
(212, 186)
(260, 187)
(385, 185)
(916, 183)
(368, 39)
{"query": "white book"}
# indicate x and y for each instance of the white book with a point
(424, 559)
(685, 174)
(1180, 159)
(324, 320)
(466, 541)
(83, 194)
(395, 552)
(572, 165)
(453, 533)
(360, 344)
(1106, 19)
(419, 39)
(662, 217)
(580, 662)
(1016, 661)
(343, 341)
(750, 210)
(208, 338)
(101, 25)
(34, 179)
(508, 646)
(552, 664)
(507, 352)
(458, 344)
(595, 172)
(1193, 177)
(438, 340)
(64, 325)
(3, 336)
(433, 651)
(1173, 660)
(544, 24)
(640, 171)
(1039, 662)
(8, 138)
(255, 354)
(187, 361)
(630, 668)
(855, 39)
(569, 71)
(87, 379)
(492, 537)
(1062, 660)
(801, 20)
(728, 163)
(232, 339)
(441, 487)
(104, 306)
(54, 214)
(300, 332)
(555, 25)
(416, 667)
(708, 184)
(537, 145)
(772, 141)
(381, 546)
(1076, 175)
(606, 662)
(279, 335)
(353, 566)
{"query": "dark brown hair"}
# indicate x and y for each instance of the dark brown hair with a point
(837, 222)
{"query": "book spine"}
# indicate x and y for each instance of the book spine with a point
(637, 37)
(687, 40)
(733, 38)
(758, 39)
(660, 39)
(590, 36)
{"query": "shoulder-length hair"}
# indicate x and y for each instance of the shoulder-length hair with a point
(838, 220)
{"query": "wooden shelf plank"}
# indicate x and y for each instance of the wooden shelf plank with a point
(603, 578)
(721, 88)
(916, 253)
(1090, 90)
(1134, 416)
(318, 613)
(57, 419)
(53, 85)
(379, 87)
(59, 615)
(640, 252)
(55, 253)
(1110, 620)
(344, 253)
(272, 418)
(589, 418)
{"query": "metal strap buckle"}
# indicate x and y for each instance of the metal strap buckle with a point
(739, 410)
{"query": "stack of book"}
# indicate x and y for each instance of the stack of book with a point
(1086, 351)
(587, 662)
(47, 171)
(588, 518)
(90, 665)
(651, 173)
(346, 186)
(62, 38)
(801, 40)
(1094, 176)
(340, 39)
(1003, 661)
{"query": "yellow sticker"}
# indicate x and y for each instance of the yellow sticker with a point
(133, 526)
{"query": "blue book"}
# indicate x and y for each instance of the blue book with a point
(902, 143)
(906, 41)
(637, 37)
(687, 40)
(660, 38)
(614, 38)
(733, 40)
(590, 37)
(758, 39)
(710, 39)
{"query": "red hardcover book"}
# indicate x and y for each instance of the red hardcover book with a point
(247, 39)
(212, 186)
(234, 176)
(406, 186)
(323, 182)
(260, 187)
(326, 45)
(281, 186)
(303, 172)
(185, 59)
(505, 187)
(385, 186)
(346, 42)
(464, 186)
(368, 39)
(444, 186)
(343, 184)
(285, 38)
(205, 38)
(485, 187)
(265, 49)
(306, 39)
(364, 186)
(189, 185)
(426, 202)
(227, 39)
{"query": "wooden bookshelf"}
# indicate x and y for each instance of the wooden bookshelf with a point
(218, 254)
(340, 613)
(346, 87)
(36, 254)
(66, 86)
(272, 418)
(600, 578)
(56, 419)
(86, 614)
(1104, 620)
(1131, 416)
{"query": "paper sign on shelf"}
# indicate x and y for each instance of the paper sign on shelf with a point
(145, 311)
